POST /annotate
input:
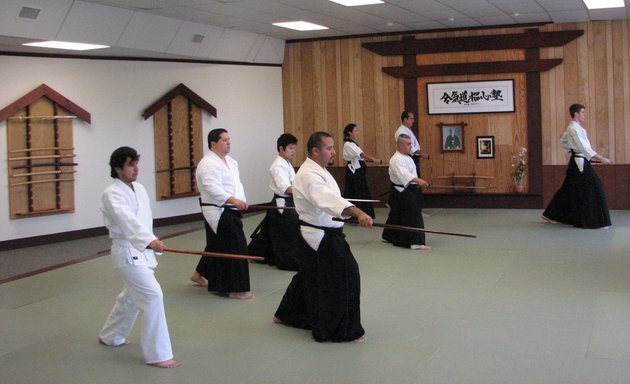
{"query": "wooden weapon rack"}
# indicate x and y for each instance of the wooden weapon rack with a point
(177, 119)
(457, 183)
(41, 158)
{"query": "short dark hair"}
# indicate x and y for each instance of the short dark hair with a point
(346, 131)
(215, 135)
(119, 158)
(316, 140)
(285, 140)
(404, 115)
(575, 108)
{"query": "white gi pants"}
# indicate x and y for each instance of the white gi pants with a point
(143, 293)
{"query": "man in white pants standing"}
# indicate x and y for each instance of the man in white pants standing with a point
(127, 215)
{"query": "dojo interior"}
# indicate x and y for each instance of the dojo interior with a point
(524, 301)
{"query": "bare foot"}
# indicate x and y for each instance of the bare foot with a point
(361, 339)
(424, 214)
(276, 320)
(172, 363)
(548, 219)
(419, 247)
(241, 295)
(197, 278)
(125, 342)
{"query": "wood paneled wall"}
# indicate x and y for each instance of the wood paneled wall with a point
(595, 72)
(330, 83)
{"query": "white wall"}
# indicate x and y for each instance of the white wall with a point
(248, 100)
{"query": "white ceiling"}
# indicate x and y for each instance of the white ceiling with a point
(242, 30)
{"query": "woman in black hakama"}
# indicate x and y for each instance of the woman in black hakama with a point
(356, 186)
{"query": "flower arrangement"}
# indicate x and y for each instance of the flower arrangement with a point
(518, 175)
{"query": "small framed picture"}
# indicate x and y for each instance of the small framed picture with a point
(485, 147)
(452, 137)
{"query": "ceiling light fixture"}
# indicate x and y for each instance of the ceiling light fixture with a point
(354, 3)
(66, 45)
(300, 26)
(599, 4)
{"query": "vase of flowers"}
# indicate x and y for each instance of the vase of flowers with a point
(518, 172)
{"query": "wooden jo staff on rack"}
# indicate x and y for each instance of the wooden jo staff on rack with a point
(41, 157)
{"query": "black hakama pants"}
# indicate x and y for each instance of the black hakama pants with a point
(324, 296)
(278, 238)
(225, 275)
(406, 210)
(356, 187)
(581, 200)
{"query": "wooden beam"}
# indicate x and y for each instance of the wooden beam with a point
(472, 68)
(36, 94)
(181, 89)
(474, 43)
(534, 126)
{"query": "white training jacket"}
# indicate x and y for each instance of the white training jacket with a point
(127, 215)
(317, 200)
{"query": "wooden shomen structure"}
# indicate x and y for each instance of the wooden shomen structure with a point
(531, 41)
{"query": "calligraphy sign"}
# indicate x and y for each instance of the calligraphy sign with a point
(470, 97)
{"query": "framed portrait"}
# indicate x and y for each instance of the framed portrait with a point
(470, 97)
(485, 147)
(452, 137)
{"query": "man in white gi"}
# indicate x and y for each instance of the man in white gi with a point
(277, 236)
(281, 172)
(127, 215)
(405, 200)
(407, 119)
(581, 200)
(219, 183)
(324, 296)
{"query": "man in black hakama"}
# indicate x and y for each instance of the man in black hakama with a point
(405, 200)
(225, 275)
(406, 210)
(581, 200)
(222, 196)
(324, 296)
(277, 237)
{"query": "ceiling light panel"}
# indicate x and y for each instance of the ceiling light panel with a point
(300, 26)
(65, 45)
(600, 4)
(356, 3)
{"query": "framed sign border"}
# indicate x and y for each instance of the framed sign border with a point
(437, 89)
